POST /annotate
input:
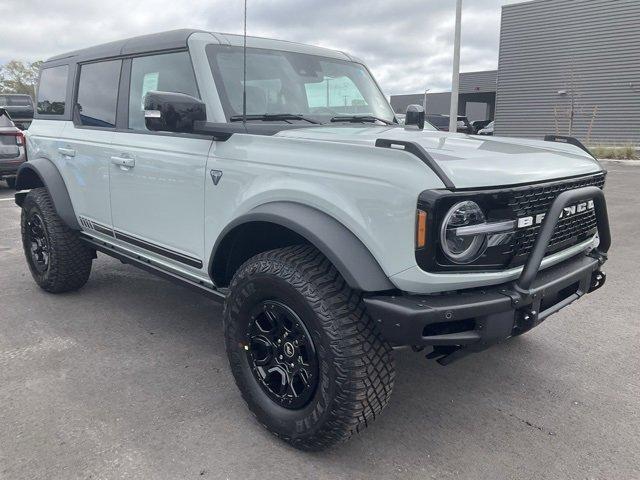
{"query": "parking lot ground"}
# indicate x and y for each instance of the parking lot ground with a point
(128, 378)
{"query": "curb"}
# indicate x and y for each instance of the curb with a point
(635, 163)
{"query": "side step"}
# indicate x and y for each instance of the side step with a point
(145, 264)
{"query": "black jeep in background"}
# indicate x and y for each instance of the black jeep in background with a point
(19, 107)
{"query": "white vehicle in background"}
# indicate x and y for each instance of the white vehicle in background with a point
(331, 233)
(488, 130)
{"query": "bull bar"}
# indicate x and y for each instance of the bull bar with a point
(458, 323)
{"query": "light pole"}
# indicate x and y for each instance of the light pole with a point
(455, 78)
(424, 101)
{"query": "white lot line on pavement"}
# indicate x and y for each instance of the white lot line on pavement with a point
(6, 199)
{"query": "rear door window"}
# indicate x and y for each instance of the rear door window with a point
(52, 90)
(98, 93)
(170, 72)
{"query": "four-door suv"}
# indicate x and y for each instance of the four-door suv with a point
(12, 149)
(20, 108)
(290, 192)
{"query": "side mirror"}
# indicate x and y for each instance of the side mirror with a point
(172, 112)
(414, 117)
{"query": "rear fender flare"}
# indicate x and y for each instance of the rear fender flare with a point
(42, 172)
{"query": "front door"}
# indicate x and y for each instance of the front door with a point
(157, 179)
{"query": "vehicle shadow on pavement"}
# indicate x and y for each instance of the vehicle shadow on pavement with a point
(435, 410)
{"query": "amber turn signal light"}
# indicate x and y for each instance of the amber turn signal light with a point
(421, 228)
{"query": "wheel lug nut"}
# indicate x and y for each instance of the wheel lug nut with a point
(280, 357)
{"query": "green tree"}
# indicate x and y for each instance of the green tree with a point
(17, 76)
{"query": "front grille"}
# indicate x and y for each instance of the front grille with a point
(538, 199)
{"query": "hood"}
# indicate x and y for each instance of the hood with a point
(472, 161)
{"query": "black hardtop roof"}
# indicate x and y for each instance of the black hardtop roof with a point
(171, 40)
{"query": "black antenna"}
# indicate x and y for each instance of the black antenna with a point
(244, 66)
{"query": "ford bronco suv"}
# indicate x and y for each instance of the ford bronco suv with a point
(274, 177)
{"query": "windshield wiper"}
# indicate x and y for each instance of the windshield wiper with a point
(360, 119)
(273, 117)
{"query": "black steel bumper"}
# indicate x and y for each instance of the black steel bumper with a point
(459, 323)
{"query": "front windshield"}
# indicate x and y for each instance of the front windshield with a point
(280, 82)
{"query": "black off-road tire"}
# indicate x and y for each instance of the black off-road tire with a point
(356, 366)
(11, 182)
(69, 260)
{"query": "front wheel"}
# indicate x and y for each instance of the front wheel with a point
(305, 355)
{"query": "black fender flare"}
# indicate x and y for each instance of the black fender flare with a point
(344, 250)
(42, 172)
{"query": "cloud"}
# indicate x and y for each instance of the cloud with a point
(406, 43)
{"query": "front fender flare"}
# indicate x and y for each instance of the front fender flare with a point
(42, 172)
(344, 250)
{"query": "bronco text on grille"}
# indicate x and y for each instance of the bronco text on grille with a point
(571, 229)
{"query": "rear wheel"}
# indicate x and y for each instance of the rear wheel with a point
(58, 260)
(305, 355)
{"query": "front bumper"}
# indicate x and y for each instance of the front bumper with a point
(458, 323)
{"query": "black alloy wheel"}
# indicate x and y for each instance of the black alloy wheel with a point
(39, 242)
(307, 358)
(281, 354)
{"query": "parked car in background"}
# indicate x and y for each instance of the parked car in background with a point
(441, 122)
(19, 107)
(400, 117)
(488, 130)
(480, 124)
(12, 149)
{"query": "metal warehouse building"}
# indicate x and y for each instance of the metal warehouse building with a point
(569, 67)
(477, 97)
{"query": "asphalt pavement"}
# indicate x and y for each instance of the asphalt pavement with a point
(128, 378)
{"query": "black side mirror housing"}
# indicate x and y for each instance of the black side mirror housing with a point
(414, 117)
(172, 112)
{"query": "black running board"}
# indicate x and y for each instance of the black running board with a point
(149, 266)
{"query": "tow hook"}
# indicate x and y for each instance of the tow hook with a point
(525, 320)
(598, 278)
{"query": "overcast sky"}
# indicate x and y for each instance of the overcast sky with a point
(408, 44)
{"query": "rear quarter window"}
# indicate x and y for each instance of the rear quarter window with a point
(52, 90)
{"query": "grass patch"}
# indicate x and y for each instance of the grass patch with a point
(625, 152)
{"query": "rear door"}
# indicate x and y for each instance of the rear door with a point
(85, 147)
(157, 178)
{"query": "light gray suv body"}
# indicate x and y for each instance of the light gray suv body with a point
(290, 192)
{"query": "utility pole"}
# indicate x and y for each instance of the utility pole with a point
(455, 78)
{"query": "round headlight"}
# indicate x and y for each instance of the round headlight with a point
(458, 245)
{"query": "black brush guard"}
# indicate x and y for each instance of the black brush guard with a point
(459, 323)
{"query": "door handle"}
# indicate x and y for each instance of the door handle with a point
(124, 162)
(67, 152)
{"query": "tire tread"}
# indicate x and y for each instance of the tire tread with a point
(363, 359)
